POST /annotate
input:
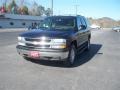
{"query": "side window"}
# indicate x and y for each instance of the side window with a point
(83, 22)
(88, 23)
(78, 22)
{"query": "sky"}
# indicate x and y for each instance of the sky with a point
(88, 8)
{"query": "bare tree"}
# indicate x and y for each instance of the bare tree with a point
(48, 12)
(40, 10)
(33, 10)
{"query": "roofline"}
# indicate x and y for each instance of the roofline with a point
(66, 16)
(21, 17)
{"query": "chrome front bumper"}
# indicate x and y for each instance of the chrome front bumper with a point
(62, 55)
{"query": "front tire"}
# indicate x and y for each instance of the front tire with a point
(72, 56)
(88, 45)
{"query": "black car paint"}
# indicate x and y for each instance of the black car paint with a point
(76, 35)
(54, 33)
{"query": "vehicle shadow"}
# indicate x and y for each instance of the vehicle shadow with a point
(81, 58)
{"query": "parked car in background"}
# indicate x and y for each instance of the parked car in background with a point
(94, 26)
(117, 28)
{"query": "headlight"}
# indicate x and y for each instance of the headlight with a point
(60, 46)
(21, 41)
(58, 43)
(59, 40)
(21, 38)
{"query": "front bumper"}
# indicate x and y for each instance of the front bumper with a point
(44, 54)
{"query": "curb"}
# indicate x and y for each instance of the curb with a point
(12, 29)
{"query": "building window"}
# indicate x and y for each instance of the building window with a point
(11, 23)
(23, 24)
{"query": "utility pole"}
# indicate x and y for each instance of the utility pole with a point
(52, 7)
(5, 4)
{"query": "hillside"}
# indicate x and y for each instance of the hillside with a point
(105, 22)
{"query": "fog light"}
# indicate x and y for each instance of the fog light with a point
(20, 43)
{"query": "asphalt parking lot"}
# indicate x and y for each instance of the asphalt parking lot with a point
(98, 69)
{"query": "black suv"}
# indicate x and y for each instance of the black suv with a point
(57, 38)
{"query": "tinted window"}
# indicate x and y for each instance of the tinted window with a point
(87, 22)
(63, 22)
(79, 22)
(83, 22)
(58, 23)
(45, 24)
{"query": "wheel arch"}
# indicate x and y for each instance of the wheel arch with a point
(74, 42)
(89, 36)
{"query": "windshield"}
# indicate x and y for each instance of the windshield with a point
(58, 23)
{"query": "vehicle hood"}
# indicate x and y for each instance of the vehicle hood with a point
(36, 33)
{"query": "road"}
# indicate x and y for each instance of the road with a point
(97, 69)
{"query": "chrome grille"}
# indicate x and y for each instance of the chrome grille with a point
(32, 45)
(37, 42)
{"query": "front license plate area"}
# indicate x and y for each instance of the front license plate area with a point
(34, 54)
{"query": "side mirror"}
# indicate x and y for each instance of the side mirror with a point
(81, 27)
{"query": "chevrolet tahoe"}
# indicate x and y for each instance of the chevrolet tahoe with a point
(57, 38)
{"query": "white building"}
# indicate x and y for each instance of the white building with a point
(18, 21)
